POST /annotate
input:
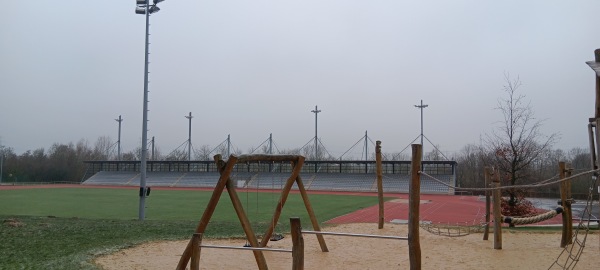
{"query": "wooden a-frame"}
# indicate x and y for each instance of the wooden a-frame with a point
(225, 168)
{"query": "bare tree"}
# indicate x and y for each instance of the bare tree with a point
(203, 153)
(471, 160)
(102, 148)
(517, 142)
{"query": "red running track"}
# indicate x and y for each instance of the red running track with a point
(445, 209)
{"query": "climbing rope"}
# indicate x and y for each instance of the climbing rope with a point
(534, 219)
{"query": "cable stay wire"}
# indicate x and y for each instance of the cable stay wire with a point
(324, 148)
(258, 147)
(176, 149)
(217, 147)
(435, 147)
(409, 145)
(276, 147)
(352, 147)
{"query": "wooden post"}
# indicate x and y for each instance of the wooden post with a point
(591, 136)
(195, 260)
(597, 59)
(379, 182)
(565, 201)
(497, 193)
(487, 175)
(414, 245)
(569, 210)
(297, 244)
(597, 150)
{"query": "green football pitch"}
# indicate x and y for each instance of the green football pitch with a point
(65, 228)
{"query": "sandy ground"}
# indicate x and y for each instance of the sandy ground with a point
(521, 250)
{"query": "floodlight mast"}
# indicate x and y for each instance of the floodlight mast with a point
(421, 107)
(119, 138)
(144, 7)
(316, 111)
(189, 117)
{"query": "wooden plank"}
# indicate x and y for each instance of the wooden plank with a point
(379, 170)
(414, 244)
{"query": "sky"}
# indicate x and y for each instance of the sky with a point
(248, 69)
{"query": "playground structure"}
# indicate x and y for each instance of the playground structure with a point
(192, 251)
(570, 242)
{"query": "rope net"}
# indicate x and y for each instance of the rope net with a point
(570, 255)
(450, 230)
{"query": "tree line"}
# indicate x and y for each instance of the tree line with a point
(516, 148)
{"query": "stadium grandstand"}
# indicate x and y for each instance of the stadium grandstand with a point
(354, 176)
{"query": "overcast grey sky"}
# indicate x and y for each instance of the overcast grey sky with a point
(249, 68)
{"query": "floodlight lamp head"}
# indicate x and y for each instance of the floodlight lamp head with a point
(153, 9)
(141, 2)
(157, 1)
(142, 9)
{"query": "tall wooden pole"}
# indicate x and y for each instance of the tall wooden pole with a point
(497, 212)
(487, 175)
(379, 182)
(414, 245)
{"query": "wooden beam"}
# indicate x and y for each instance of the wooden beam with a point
(265, 157)
(311, 214)
(246, 226)
(225, 171)
(414, 245)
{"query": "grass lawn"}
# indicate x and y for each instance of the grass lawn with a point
(66, 228)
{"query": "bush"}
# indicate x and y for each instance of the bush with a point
(520, 208)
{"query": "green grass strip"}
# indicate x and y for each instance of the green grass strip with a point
(67, 228)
